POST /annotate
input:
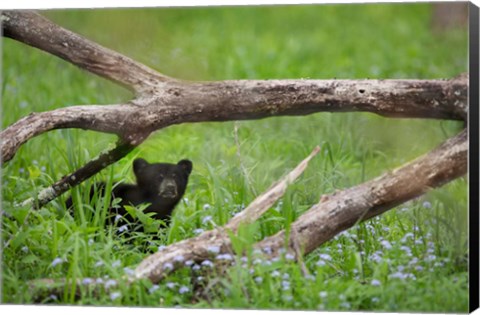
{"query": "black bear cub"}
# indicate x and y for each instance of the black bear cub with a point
(161, 185)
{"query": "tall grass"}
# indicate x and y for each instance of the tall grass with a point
(411, 258)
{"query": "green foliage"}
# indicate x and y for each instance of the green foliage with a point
(413, 258)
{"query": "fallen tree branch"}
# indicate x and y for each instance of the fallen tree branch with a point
(83, 173)
(162, 101)
(333, 214)
(343, 209)
(243, 100)
(330, 216)
(190, 249)
(33, 29)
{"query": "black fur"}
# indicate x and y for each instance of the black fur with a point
(162, 185)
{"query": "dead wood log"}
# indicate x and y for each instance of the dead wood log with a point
(331, 215)
(161, 101)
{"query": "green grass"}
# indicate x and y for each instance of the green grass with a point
(413, 258)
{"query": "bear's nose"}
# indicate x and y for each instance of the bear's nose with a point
(168, 189)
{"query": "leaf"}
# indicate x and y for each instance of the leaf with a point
(34, 172)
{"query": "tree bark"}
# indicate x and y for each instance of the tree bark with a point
(161, 101)
(333, 214)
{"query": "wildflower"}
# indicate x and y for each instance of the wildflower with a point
(266, 263)
(116, 263)
(267, 250)
(171, 285)
(224, 257)
(286, 276)
(275, 273)
(206, 219)
(427, 204)
(323, 294)
(386, 244)
(321, 263)
(153, 288)
(195, 267)
(375, 282)
(213, 249)
(198, 231)
(244, 259)
(207, 263)
(430, 258)
(398, 275)
(200, 278)
(189, 262)
(257, 261)
(123, 228)
(183, 290)
(25, 249)
(117, 217)
(375, 299)
(115, 295)
(419, 268)
(206, 206)
(310, 277)
(168, 266)
(99, 280)
(99, 263)
(258, 279)
(53, 297)
(129, 271)
(179, 258)
(325, 257)
(161, 247)
(57, 261)
(90, 241)
(87, 281)
(289, 256)
(110, 283)
(287, 298)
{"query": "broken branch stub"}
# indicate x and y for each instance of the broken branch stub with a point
(341, 210)
(158, 265)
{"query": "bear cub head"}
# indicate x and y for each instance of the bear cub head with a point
(162, 181)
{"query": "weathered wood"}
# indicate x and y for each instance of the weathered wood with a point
(162, 101)
(333, 214)
(156, 266)
(341, 210)
(33, 29)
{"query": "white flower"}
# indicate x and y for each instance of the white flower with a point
(183, 290)
(57, 261)
(198, 231)
(207, 263)
(258, 279)
(178, 258)
(110, 283)
(213, 249)
(87, 281)
(153, 288)
(289, 256)
(129, 271)
(375, 282)
(116, 263)
(323, 294)
(168, 266)
(115, 295)
(171, 285)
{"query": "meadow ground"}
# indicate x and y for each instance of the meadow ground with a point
(413, 258)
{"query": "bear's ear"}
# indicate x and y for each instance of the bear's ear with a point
(186, 166)
(138, 165)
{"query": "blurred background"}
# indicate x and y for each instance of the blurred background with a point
(344, 41)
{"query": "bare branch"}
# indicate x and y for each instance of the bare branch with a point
(88, 170)
(154, 267)
(343, 209)
(332, 214)
(33, 29)
(243, 100)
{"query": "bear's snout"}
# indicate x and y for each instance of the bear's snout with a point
(168, 189)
